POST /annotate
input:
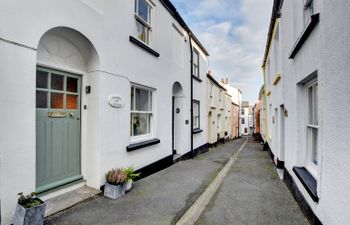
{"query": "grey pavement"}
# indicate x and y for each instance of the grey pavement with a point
(253, 194)
(161, 198)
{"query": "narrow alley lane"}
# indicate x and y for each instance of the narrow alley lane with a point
(159, 199)
(252, 193)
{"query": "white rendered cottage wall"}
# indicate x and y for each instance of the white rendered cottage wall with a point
(304, 63)
(17, 139)
(108, 134)
(244, 126)
(199, 88)
(334, 108)
(325, 51)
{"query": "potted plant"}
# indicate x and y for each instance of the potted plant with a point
(114, 187)
(29, 210)
(130, 177)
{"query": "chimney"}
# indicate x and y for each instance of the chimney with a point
(226, 80)
(209, 72)
(222, 80)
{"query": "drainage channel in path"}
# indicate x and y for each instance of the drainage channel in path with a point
(194, 212)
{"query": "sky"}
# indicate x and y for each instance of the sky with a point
(234, 32)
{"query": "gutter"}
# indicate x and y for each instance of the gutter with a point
(191, 64)
(216, 82)
(277, 4)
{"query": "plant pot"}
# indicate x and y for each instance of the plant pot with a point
(128, 185)
(114, 191)
(30, 216)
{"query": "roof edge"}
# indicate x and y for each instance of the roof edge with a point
(277, 5)
(215, 81)
(173, 11)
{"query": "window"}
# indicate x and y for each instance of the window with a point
(242, 121)
(242, 111)
(143, 20)
(55, 90)
(196, 122)
(195, 63)
(141, 112)
(312, 122)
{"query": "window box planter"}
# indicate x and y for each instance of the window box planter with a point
(114, 191)
(30, 216)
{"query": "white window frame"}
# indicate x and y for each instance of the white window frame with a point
(196, 102)
(195, 64)
(312, 126)
(147, 25)
(151, 134)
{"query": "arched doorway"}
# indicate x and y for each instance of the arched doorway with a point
(64, 56)
(177, 97)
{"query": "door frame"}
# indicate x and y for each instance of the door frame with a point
(66, 181)
(173, 125)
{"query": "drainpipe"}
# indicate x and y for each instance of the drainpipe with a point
(191, 62)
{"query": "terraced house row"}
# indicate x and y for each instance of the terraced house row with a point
(90, 85)
(304, 114)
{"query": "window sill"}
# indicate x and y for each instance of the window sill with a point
(197, 131)
(196, 78)
(304, 35)
(143, 46)
(308, 181)
(142, 144)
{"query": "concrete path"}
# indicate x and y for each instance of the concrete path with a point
(252, 193)
(161, 198)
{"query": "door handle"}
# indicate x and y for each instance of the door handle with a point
(71, 114)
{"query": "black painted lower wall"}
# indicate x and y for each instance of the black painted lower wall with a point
(201, 149)
(166, 162)
(304, 206)
(155, 167)
(257, 137)
(213, 144)
(279, 164)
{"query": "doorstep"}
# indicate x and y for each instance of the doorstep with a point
(61, 201)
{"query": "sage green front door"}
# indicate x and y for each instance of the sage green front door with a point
(57, 128)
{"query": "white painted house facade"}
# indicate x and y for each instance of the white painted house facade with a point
(244, 118)
(218, 111)
(91, 85)
(236, 98)
(305, 120)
